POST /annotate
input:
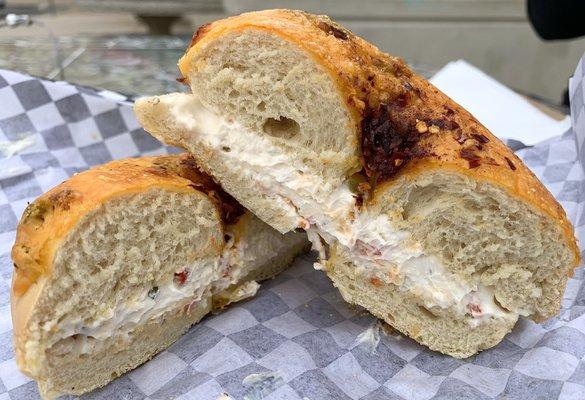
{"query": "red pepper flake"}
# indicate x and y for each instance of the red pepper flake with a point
(188, 307)
(367, 249)
(448, 110)
(474, 309)
(332, 30)
(443, 123)
(376, 282)
(181, 277)
(510, 164)
(459, 137)
(359, 200)
(489, 160)
(402, 99)
(473, 159)
(227, 272)
(480, 138)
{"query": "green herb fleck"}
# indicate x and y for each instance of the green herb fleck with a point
(152, 292)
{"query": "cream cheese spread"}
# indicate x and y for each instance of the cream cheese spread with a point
(373, 244)
(180, 291)
(148, 304)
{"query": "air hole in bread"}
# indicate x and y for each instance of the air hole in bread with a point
(284, 128)
(227, 149)
(500, 304)
(262, 106)
(233, 66)
(427, 312)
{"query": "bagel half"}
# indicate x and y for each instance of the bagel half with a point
(115, 264)
(421, 215)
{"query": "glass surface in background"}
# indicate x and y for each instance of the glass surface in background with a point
(133, 65)
(126, 64)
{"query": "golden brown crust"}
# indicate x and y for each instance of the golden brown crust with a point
(405, 125)
(186, 167)
(48, 220)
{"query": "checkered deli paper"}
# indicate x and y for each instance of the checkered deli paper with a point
(297, 335)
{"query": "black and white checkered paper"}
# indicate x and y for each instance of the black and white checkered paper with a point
(297, 329)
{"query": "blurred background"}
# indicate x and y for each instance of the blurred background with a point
(131, 46)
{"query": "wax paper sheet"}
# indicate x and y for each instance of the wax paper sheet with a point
(297, 338)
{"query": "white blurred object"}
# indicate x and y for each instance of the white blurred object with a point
(370, 337)
(10, 148)
(504, 112)
(13, 20)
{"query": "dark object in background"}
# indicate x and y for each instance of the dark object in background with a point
(557, 19)
(159, 16)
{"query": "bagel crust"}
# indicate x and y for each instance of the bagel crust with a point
(48, 220)
(113, 265)
(419, 213)
(405, 125)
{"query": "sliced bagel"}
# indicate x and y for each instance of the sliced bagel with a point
(116, 263)
(422, 215)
